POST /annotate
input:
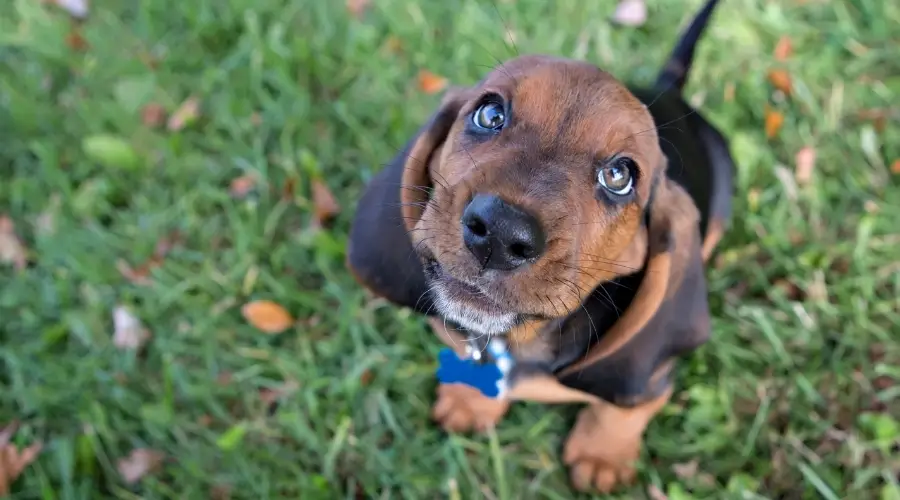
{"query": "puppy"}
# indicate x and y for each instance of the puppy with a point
(553, 209)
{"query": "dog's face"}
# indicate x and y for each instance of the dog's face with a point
(539, 179)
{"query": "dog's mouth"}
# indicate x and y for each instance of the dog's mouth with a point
(466, 304)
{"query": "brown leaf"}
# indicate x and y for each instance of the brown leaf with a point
(267, 316)
(366, 378)
(774, 121)
(153, 115)
(392, 45)
(141, 275)
(357, 8)
(269, 396)
(781, 80)
(805, 162)
(75, 41)
(632, 13)
(895, 166)
(12, 460)
(220, 492)
(655, 493)
(139, 463)
(241, 186)
(325, 206)
(12, 251)
(128, 332)
(687, 470)
(431, 83)
(783, 49)
(185, 114)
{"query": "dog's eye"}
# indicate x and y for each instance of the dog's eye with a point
(490, 116)
(618, 178)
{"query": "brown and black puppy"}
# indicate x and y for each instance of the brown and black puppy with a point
(551, 206)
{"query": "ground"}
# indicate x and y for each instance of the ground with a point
(793, 397)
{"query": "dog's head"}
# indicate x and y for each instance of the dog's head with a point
(539, 179)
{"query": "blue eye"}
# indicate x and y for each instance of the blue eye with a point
(490, 116)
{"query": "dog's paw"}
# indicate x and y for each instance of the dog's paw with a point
(460, 408)
(603, 448)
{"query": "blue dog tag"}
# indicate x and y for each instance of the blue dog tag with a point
(488, 377)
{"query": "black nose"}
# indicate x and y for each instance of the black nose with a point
(501, 236)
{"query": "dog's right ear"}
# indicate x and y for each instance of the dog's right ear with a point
(380, 254)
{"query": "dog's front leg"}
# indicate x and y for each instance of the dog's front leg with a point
(460, 408)
(604, 445)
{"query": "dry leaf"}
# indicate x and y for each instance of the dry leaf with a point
(686, 470)
(12, 251)
(729, 92)
(357, 8)
(153, 115)
(392, 45)
(241, 186)
(805, 162)
(325, 206)
(431, 83)
(139, 463)
(75, 41)
(75, 8)
(267, 316)
(783, 49)
(220, 492)
(895, 167)
(141, 275)
(366, 377)
(12, 460)
(128, 332)
(631, 13)
(774, 121)
(655, 493)
(185, 114)
(270, 396)
(781, 80)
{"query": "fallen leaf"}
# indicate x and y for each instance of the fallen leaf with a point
(136, 276)
(287, 191)
(729, 92)
(774, 121)
(139, 463)
(241, 186)
(267, 316)
(357, 8)
(631, 13)
(12, 460)
(655, 493)
(128, 332)
(75, 41)
(781, 80)
(686, 470)
(185, 114)
(220, 492)
(325, 206)
(431, 83)
(392, 45)
(805, 162)
(75, 8)
(12, 251)
(783, 49)
(153, 115)
(366, 377)
(895, 167)
(270, 395)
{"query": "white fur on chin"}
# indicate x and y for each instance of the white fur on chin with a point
(472, 320)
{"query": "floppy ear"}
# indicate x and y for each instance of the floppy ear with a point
(379, 252)
(667, 316)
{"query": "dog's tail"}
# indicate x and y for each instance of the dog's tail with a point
(675, 72)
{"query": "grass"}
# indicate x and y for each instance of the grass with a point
(796, 397)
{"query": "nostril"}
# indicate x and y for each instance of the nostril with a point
(477, 227)
(522, 250)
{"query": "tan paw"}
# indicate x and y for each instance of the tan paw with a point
(603, 448)
(460, 408)
(592, 472)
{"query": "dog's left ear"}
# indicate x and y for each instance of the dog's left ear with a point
(379, 253)
(669, 314)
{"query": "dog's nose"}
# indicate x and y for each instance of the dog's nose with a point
(501, 236)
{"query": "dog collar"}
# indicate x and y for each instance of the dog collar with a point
(490, 376)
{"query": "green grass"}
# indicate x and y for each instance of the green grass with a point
(792, 398)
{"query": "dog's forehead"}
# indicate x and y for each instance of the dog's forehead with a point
(573, 104)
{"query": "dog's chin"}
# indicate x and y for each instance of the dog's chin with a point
(467, 305)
